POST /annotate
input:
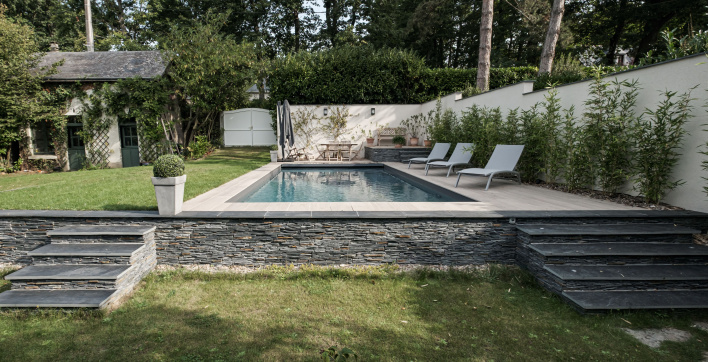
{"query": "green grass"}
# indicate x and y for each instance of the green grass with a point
(282, 315)
(121, 188)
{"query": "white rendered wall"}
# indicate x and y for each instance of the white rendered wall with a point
(678, 75)
(387, 115)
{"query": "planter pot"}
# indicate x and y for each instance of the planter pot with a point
(398, 145)
(427, 143)
(414, 141)
(169, 192)
(273, 156)
(369, 141)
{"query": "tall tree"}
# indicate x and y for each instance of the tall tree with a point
(485, 45)
(549, 45)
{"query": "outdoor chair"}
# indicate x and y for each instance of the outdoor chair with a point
(503, 161)
(437, 154)
(350, 152)
(460, 156)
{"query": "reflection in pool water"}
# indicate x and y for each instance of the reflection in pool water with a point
(341, 185)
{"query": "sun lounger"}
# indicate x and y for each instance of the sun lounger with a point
(437, 154)
(503, 161)
(460, 156)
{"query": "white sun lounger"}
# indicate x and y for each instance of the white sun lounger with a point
(437, 154)
(503, 161)
(460, 156)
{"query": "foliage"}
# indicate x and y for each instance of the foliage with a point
(610, 126)
(332, 355)
(210, 71)
(168, 166)
(21, 100)
(485, 128)
(568, 70)
(305, 125)
(414, 125)
(362, 74)
(677, 48)
(443, 124)
(399, 140)
(7, 166)
(470, 90)
(658, 140)
(335, 123)
(199, 147)
(96, 123)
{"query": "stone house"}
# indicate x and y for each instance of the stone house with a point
(92, 69)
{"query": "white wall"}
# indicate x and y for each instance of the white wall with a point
(114, 154)
(389, 115)
(678, 75)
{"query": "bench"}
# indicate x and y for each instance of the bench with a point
(387, 134)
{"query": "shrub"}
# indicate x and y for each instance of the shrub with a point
(199, 147)
(168, 166)
(658, 141)
(399, 140)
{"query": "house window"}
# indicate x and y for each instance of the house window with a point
(42, 143)
(75, 140)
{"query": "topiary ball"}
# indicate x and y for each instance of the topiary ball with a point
(168, 166)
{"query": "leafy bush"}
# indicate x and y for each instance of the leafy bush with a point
(362, 74)
(568, 70)
(199, 147)
(658, 141)
(399, 140)
(677, 48)
(168, 166)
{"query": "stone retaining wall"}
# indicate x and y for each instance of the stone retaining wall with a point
(252, 242)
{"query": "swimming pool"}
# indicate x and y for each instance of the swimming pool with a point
(371, 183)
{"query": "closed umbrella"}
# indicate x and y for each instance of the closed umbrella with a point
(287, 134)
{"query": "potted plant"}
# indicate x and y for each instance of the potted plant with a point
(369, 137)
(169, 184)
(414, 125)
(399, 141)
(274, 153)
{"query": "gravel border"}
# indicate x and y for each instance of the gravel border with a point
(619, 198)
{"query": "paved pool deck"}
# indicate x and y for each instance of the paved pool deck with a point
(503, 195)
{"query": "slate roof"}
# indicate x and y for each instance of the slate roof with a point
(104, 66)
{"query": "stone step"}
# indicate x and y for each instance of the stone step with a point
(572, 233)
(84, 250)
(618, 249)
(97, 298)
(102, 234)
(609, 300)
(97, 230)
(68, 272)
(604, 229)
(657, 272)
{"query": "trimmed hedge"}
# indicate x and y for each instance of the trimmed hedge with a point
(168, 166)
(364, 75)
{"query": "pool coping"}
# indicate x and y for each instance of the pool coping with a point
(561, 214)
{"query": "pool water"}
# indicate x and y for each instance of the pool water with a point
(368, 184)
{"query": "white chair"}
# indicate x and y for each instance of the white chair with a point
(503, 161)
(437, 154)
(460, 156)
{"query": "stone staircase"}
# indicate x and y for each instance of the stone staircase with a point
(83, 267)
(599, 267)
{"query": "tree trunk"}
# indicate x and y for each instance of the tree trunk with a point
(485, 45)
(620, 21)
(549, 45)
(650, 34)
(296, 13)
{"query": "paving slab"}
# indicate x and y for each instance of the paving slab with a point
(629, 272)
(654, 337)
(93, 249)
(661, 299)
(605, 229)
(619, 249)
(69, 272)
(100, 230)
(55, 298)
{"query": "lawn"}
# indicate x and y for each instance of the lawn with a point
(121, 188)
(282, 315)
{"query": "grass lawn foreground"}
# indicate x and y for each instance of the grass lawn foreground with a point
(383, 315)
(122, 188)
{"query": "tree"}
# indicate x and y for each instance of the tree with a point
(21, 98)
(485, 45)
(211, 72)
(549, 45)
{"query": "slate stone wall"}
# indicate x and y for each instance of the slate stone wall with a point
(258, 241)
(394, 154)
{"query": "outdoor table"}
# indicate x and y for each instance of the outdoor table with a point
(338, 147)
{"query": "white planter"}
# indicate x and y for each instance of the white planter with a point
(273, 156)
(169, 192)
